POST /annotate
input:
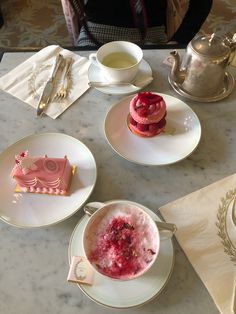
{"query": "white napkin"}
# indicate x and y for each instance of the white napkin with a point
(27, 80)
(207, 235)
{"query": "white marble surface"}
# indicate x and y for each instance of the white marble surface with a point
(34, 262)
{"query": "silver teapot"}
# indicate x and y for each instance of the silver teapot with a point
(203, 68)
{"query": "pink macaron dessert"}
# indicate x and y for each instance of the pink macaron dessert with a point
(147, 114)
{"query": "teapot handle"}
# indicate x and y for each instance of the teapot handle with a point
(233, 52)
(230, 41)
(232, 58)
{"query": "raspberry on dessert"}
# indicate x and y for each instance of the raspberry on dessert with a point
(132, 121)
(142, 127)
(142, 112)
(149, 98)
(161, 123)
(147, 108)
(147, 114)
(153, 127)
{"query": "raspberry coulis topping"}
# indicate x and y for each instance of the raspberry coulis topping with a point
(147, 103)
(148, 98)
(119, 244)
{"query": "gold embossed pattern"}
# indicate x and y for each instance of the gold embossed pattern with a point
(39, 77)
(227, 207)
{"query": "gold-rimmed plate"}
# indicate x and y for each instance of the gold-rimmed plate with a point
(28, 210)
(179, 139)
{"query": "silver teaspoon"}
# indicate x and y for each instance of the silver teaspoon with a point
(90, 208)
(136, 84)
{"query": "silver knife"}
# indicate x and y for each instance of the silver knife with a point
(47, 91)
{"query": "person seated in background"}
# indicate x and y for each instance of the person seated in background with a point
(141, 21)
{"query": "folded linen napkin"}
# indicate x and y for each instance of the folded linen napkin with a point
(207, 233)
(27, 80)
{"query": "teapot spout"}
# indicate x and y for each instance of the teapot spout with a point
(176, 74)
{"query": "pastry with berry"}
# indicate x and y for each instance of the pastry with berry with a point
(147, 112)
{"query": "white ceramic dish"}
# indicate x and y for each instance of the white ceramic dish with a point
(37, 210)
(181, 137)
(131, 293)
(95, 75)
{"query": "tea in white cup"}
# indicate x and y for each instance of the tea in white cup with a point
(118, 60)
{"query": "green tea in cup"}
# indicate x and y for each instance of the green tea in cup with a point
(119, 60)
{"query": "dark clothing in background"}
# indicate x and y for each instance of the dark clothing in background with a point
(1, 18)
(119, 13)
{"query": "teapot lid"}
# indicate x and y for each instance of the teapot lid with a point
(210, 45)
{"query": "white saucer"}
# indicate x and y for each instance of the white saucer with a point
(131, 293)
(37, 210)
(182, 134)
(95, 74)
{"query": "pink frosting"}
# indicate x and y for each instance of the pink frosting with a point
(152, 105)
(47, 176)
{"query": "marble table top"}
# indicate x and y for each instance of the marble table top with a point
(34, 262)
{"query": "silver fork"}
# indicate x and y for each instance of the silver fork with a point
(63, 88)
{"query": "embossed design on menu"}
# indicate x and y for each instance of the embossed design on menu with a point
(227, 204)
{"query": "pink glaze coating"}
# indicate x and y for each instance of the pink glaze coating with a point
(42, 174)
(147, 107)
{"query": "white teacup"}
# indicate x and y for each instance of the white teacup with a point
(121, 240)
(118, 60)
